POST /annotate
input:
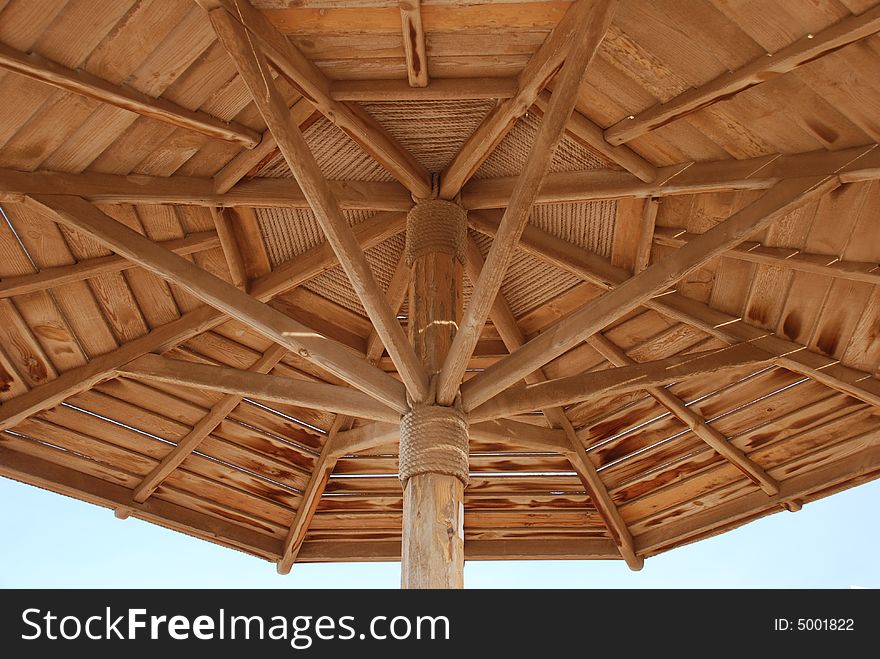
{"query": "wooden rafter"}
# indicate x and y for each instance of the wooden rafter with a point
(691, 419)
(586, 39)
(530, 82)
(647, 229)
(782, 257)
(260, 386)
(860, 163)
(204, 427)
(80, 215)
(232, 252)
(290, 275)
(804, 50)
(294, 66)
(100, 265)
(505, 323)
(598, 313)
(261, 192)
(636, 377)
(730, 329)
(127, 98)
(582, 130)
(251, 66)
(414, 42)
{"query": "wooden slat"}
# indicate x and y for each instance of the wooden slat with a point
(440, 89)
(586, 39)
(291, 63)
(87, 268)
(339, 234)
(414, 43)
(589, 319)
(202, 429)
(141, 190)
(531, 81)
(125, 97)
(756, 72)
(691, 419)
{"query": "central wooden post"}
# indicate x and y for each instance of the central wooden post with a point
(433, 460)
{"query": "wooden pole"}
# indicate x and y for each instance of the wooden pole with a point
(433, 503)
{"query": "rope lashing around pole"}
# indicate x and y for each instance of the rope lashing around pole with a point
(436, 225)
(433, 440)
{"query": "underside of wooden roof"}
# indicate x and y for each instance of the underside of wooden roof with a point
(691, 112)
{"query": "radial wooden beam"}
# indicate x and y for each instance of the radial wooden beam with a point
(647, 229)
(595, 16)
(305, 76)
(860, 163)
(582, 130)
(289, 275)
(252, 66)
(585, 41)
(257, 385)
(302, 114)
(598, 384)
(780, 257)
(730, 329)
(258, 192)
(331, 452)
(224, 224)
(691, 419)
(505, 323)
(101, 265)
(765, 68)
(440, 89)
(127, 98)
(80, 215)
(600, 312)
(414, 43)
(203, 427)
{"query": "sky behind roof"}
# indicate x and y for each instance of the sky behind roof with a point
(53, 541)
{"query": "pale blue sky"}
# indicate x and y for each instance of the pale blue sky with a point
(53, 541)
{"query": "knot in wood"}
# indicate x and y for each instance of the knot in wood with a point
(436, 225)
(433, 440)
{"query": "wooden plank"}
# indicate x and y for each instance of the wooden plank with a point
(125, 97)
(531, 81)
(141, 190)
(603, 310)
(586, 132)
(691, 419)
(590, 385)
(291, 63)
(586, 39)
(865, 462)
(87, 268)
(810, 47)
(322, 201)
(253, 384)
(440, 89)
(414, 43)
(852, 165)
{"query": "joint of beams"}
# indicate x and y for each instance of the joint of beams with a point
(434, 440)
